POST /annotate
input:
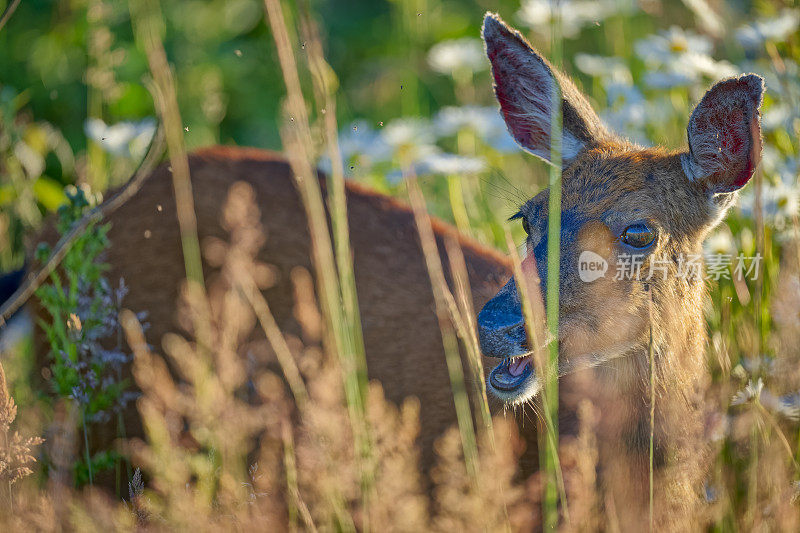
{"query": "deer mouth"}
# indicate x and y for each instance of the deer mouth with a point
(513, 380)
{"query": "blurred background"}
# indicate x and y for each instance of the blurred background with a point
(413, 81)
(414, 85)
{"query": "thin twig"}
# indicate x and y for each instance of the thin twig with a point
(7, 12)
(97, 214)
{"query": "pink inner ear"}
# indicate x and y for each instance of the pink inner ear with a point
(754, 155)
(725, 134)
(508, 70)
(734, 143)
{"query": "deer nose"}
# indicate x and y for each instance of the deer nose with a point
(501, 325)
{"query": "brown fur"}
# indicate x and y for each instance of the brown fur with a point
(640, 184)
(401, 333)
(609, 185)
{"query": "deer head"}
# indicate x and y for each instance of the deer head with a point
(620, 204)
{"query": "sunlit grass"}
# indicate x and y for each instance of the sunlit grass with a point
(742, 327)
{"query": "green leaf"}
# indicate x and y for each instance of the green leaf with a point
(49, 193)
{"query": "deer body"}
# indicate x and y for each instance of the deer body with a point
(401, 333)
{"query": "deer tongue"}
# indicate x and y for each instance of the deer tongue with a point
(517, 366)
(509, 375)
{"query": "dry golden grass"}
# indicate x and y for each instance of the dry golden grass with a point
(230, 444)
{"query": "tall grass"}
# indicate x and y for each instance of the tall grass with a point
(148, 24)
(325, 83)
(449, 340)
(467, 329)
(539, 340)
(651, 362)
(550, 460)
(337, 294)
(755, 481)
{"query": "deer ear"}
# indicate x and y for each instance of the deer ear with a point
(524, 83)
(725, 134)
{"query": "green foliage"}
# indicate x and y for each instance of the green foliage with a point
(83, 312)
(30, 152)
(101, 461)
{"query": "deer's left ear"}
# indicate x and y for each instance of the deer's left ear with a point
(725, 135)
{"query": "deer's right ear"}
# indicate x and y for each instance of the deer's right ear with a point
(524, 83)
(725, 135)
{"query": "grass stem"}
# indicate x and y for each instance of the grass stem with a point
(650, 352)
(340, 335)
(439, 285)
(458, 270)
(535, 324)
(86, 446)
(550, 388)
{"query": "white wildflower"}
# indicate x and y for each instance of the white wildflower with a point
(486, 122)
(707, 66)
(751, 392)
(574, 14)
(665, 46)
(442, 164)
(775, 29)
(613, 69)
(410, 139)
(364, 143)
(759, 365)
(779, 115)
(626, 112)
(720, 243)
(126, 138)
(408, 131)
(779, 166)
(771, 157)
(679, 58)
(450, 164)
(669, 80)
(780, 203)
(784, 85)
(464, 54)
(687, 69)
(788, 406)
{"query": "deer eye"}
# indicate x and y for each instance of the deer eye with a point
(526, 226)
(638, 235)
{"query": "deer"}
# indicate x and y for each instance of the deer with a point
(619, 201)
(400, 328)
